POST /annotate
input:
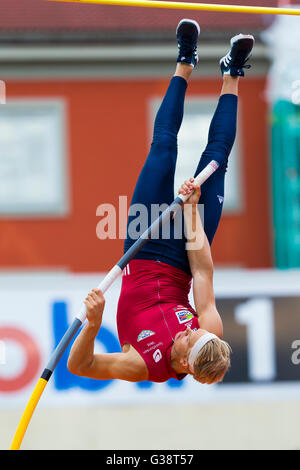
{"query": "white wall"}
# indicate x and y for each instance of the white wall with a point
(257, 425)
(246, 414)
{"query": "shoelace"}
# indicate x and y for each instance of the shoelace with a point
(228, 58)
(245, 66)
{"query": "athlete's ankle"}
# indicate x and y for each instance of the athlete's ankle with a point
(183, 70)
(227, 78)
(230, 85)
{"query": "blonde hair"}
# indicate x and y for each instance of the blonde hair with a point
(212, 361)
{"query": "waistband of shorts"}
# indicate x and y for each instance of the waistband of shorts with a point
(143, 264)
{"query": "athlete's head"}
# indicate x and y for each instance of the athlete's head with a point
(202, 354)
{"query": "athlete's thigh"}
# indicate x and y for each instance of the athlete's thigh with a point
(155, 184)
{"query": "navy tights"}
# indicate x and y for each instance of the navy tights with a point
(155, 184)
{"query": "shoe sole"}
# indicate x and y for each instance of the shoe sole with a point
(185, 20)
(237, 38)
(241, 36)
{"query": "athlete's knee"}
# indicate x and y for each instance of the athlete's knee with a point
(219, 155)
(164, 134)
(220, 146)
(222, 142)
(165, 142)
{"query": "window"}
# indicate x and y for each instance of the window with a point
(33, 171)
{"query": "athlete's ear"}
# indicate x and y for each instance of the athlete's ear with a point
(184, 363)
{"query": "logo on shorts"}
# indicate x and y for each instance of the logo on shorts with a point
(145, 334)
(221, 199)
(184, 316)
(157, 355)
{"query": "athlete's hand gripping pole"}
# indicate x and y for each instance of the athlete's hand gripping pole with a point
(103, 286)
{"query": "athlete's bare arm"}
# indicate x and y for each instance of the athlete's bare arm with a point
(82, 361)
(201, 263)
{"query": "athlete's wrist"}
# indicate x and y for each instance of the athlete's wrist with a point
(93, 326)
(193, 205)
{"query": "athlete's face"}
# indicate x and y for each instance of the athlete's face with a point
(184, 341)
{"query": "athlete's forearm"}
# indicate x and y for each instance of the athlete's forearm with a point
(198, 248)
(82, 352)
(193, 226)
(201, 265)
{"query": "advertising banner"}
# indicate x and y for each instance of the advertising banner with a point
(260, 312)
